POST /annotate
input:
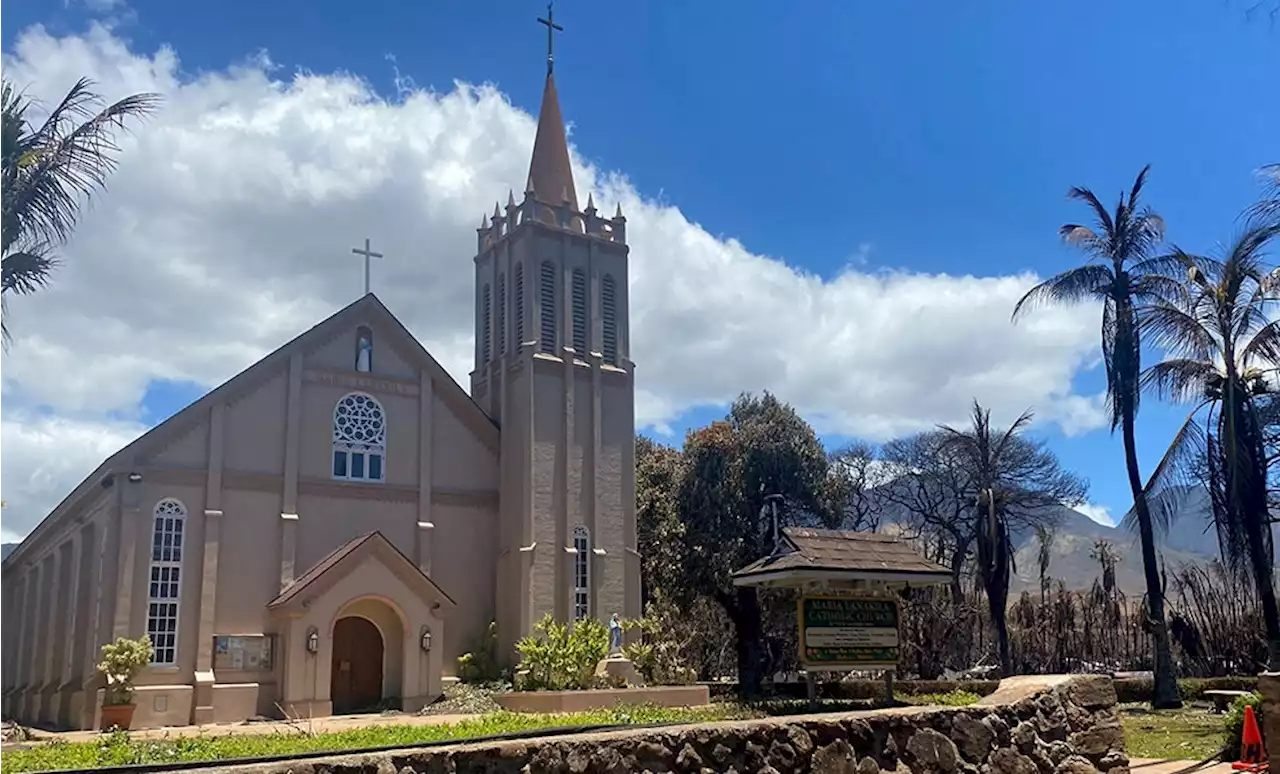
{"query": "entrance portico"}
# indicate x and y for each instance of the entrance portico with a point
(357, 633)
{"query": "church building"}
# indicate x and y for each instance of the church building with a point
(331, 528)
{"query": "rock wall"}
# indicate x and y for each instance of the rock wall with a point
(1030, 725)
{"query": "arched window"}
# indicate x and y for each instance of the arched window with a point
(547, 304)
(164, 584)
(519, 305)
(580, 313)
(609, 319)
(359, 438)
(581, 573)
(502, 314)
(486, 307)
(364, 349)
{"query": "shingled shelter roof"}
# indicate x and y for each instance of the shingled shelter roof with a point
(805, 555)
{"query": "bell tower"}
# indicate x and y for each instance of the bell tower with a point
(553, 368)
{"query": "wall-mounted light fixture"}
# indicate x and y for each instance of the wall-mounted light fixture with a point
(135, 478)
(425, 640)
(313, 640)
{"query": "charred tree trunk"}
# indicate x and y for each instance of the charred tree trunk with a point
(742, 605)
(1165, 694)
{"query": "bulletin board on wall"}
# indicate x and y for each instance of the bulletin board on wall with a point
(250, 652)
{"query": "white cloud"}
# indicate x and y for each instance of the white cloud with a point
(227, 230)
(1099, 513)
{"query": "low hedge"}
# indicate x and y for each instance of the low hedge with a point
(1128, 689)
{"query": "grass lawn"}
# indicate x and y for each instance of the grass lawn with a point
(1189, 733)
(118, 749)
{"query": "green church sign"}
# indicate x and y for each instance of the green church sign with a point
(849, 632)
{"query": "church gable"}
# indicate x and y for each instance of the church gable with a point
(189, 447)
(361, 349)
(255, 427)
(364, 346)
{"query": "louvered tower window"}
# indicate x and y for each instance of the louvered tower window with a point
(519, 305)
(581, 573)
(547, 289)
(502, 314)
(580, 313)
(609, 319)
(486, 307)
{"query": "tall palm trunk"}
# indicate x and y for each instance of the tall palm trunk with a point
(993, 558)
(1248, 488)
(1265, 581)
(1166, 694)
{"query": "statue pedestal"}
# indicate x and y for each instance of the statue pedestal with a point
(618, 671)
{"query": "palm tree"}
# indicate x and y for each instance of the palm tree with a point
(1006, 475)
(1123, 273)
(49, 171)
(1268, 207)
(1223, 345)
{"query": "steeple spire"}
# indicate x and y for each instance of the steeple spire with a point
(552, 29)
(550, 175)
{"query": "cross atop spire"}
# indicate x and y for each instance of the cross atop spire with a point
(550, 176)
(552, 29)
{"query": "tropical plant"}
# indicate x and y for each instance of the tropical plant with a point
(1223, 346)
(1123, 273)
(120, 664)
(561, 657)
(1045, 536)
(480, 664)
(658, 654)
(49, 171)
(1006, 474)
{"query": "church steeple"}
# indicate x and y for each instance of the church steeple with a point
(550, 176)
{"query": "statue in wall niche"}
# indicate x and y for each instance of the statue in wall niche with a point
(364, 350)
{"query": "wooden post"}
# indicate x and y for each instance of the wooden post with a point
(811, 684)
(888, 688)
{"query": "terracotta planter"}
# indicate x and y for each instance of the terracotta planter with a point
(117, 716)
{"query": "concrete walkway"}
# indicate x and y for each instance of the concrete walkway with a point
(1150, 766)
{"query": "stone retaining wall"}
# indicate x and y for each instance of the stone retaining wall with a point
(1030, 725)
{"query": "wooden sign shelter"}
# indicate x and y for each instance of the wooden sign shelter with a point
(847, 614)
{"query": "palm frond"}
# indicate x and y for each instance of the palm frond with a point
(21, 272)
(25, 272)
(1177, 330)
(1177, 472)
(69, 157)
(1082, 283)
(1148, 288)
(1180, 379)
(1083, 237)
(1100, 212)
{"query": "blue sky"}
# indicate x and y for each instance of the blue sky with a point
(935, 138)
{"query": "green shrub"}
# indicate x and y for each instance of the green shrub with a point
(658, 654)
(956, 698)
(121, 663)
(1140, 689)
(561, 658)
(1233, 725)
(480, 665)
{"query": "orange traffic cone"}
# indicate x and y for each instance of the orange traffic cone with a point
(1252, 755)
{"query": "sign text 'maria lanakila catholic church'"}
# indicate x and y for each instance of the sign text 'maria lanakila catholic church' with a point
(335, 525)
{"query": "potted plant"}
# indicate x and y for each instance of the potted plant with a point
(121, 663)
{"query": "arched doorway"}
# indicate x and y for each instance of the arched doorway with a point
(356, 681)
